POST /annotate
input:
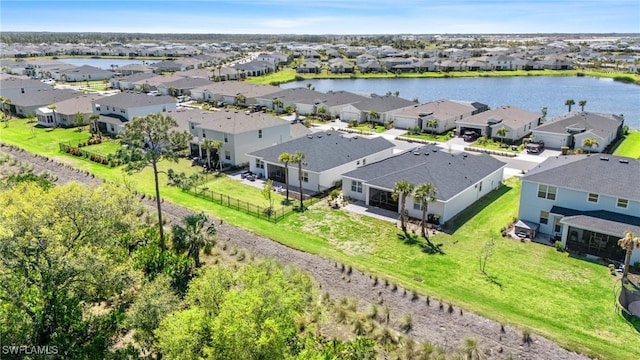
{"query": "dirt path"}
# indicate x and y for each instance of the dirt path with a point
(430, 323)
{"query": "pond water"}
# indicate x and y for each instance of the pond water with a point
(527, 92)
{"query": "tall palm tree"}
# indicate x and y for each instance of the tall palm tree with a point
(240, 100)
(207, 145)
(401, 190)
(544, 112)
(582, 103)
(285, 158)
(569, 103)
(373, 115)
(193, 236)
(629, 242)
(590, 143)
(217, 144)
(424, 194)
(94, 122)
(277, 104)
(298, 158)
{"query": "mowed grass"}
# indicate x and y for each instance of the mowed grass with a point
(531, 286)
(630, 146)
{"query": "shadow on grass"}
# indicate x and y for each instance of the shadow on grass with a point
(454, 224)
(427, 246)
(493, 280)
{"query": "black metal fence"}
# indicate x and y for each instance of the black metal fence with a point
(272, 214)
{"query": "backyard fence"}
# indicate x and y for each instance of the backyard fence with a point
(272, 214)
(76, 151)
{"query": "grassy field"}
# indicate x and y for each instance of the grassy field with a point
(288, 75)
(430, 137)
(630, 147)
(568, 300)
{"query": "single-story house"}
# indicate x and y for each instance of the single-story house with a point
(328, 155)
(460, 179)
(64, 113)
(571, 129)
(26, 104)
(82, 73)
(436, 116)
(385, 107)
(517, 122)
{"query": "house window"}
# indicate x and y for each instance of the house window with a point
(356, 186)
(305, 177)
(225, 138)
(107, 108)
(227, 155)
(544, 217)
(192, 127)
(547, 192)
(259, 134)
(204, 134)
(480, 186)
(592, 198)
(364, 162)
(358, 162)
(259, 164)
(622, 203)
(417, 205)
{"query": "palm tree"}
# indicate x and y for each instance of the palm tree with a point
(94, 122)
(424, 194)
(433, 124)
(502, 132)
(569, 103)
(401, 190)
(207, 145)
(240, 99)
(582, 103)
(298, 158)
(285, 158)
(217, 144)
(373, 115)
(544, 112)
(192, 237)
(53, 109)
(277, 104)
(172, 91)
(629, 242)
(590, 143)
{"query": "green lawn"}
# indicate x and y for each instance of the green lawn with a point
(367, 127)
(495, 145)
(630, 147)
(106, 147)
(568, 300)
(430, 137)
(234, 188)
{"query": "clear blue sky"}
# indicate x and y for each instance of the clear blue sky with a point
(323, 16)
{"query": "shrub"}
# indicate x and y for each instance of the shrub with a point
(559, 246)
(612, 269)
(406, 323)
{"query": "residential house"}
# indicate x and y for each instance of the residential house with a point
(460, 179)
(131, 82)
(12, 86)
(64, 113)
(334, 101)
(25, 104)
(116, 110)
(341, 66)
(170, 66)
(241, 132)
(587, 202)
(182, 86)
(436, 116)
(571, 130)
(229, 92)
(302, 100)
(516, 121)
(309, 66)
(81, 73)
(384, 106)
(328, 155)
(255, 68)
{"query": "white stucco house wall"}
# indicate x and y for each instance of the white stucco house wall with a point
(444, 112)
(118, 109)
(573, 128)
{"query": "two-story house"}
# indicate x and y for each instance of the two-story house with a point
(240, 132)
(586, 201)
(116, 110)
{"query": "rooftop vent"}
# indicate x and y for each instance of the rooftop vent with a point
(416, 153)
(355, 138)
(309, 137)
(464, 155)
(604, 158)
(434, 150)
(319, 136)
(624, 161)
(328, 133)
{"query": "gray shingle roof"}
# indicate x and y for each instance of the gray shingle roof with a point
(131, 100)
(600, 124)
(383, 104)
(326, 150)
(440, 109)
(510, 116)
(81, 103)
(230, 122)
(589, 173)
(42, 97)
(450, 173)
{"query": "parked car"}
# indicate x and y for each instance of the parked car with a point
(470, 135)
(535, 147)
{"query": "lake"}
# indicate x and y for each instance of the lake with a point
(527, 92)
(103, 63)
